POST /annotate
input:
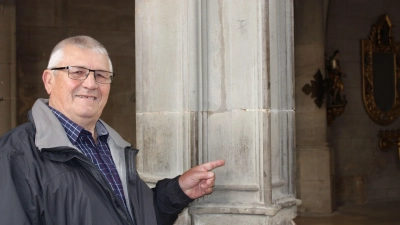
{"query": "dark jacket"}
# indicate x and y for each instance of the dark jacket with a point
(44, 179)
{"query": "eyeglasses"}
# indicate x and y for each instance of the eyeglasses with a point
(81, 73)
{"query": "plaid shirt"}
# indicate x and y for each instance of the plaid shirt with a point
(98, 153)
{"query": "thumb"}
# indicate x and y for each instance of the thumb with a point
(201, 175)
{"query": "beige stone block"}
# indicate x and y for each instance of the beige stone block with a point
(313, 165)
(231, 193)
(163, 143)
(282, 144)
(158, 94)
(311, 128)
(234, 78)
(232, 136)
(309, 58)
(323, 162)
(214, 219)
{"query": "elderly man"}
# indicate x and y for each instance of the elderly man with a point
(66, 166)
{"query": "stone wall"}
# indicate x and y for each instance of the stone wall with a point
(215, 81)
(314, 186)
(41, 24)
(7, 66)
(364, 173)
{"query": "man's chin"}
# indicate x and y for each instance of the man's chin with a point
(88, 115)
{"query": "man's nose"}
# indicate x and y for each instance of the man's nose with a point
(90, 81)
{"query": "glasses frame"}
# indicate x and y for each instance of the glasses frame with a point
(94, 73)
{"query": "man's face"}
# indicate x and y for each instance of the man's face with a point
(80, 101)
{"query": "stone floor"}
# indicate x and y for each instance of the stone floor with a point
(382, 213)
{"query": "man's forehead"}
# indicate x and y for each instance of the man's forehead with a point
(85, 57)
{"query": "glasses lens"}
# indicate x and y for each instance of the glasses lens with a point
(77, 73)
(103, 77)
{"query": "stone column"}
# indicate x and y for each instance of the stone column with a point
(215, 81)
(7, 66)
(314, 185)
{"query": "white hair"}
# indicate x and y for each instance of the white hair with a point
(84, 42)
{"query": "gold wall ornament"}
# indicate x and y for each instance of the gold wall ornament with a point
(389, 138)
(334, 111)
(380, 59)
(334, 81)
(336, 99)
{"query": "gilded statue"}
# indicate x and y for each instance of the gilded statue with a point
(335, 83)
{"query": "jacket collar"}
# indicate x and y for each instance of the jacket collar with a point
(51, 134)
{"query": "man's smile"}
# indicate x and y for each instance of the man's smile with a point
(88, 97)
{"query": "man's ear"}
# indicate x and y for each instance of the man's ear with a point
(48, 80)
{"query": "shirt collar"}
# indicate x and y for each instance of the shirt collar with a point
(74, 130)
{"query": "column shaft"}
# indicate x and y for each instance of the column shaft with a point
(215, 81)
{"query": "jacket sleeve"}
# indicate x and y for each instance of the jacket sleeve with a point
(18, 194)
(169, 201)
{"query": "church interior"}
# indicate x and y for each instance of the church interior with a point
(347, 153)
(364, 176)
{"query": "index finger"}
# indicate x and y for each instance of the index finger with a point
(212, 165)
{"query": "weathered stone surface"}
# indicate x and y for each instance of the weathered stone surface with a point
(203, 92)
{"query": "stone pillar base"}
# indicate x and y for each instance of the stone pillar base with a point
(272, 215)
